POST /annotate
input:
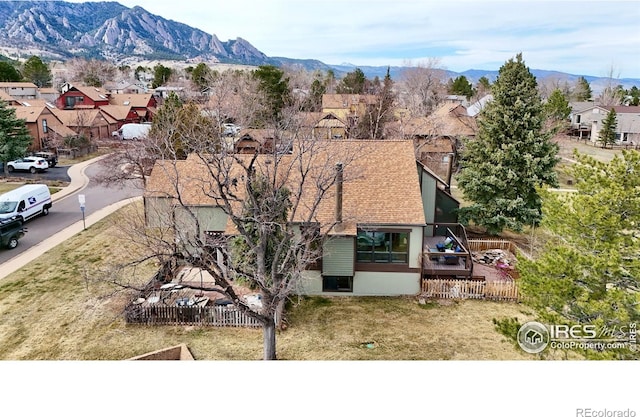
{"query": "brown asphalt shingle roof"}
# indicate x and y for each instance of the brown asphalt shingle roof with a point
(134, 100)
(94, 93)
(381, 182)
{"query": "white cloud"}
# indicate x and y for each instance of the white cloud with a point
(584, 37)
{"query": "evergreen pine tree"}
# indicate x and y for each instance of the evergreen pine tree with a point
(510, 157)
(461, 86)
(607, 135)
(582, 91)
(14, 136)
(589, 270)
(37, 72)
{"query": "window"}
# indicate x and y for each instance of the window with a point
(382, 247)
(337, 284)
(44, 126)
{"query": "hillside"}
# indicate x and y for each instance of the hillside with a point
(108, 30)
(112, 31)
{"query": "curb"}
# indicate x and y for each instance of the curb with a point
(78, 179)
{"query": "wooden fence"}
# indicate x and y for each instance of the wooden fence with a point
(220, 316)
(479, 245)
(470, 288)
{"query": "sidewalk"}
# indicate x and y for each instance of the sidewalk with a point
(78, 181)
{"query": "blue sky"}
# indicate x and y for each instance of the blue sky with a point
(598, 38)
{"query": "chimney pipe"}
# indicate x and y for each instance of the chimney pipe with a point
(339, 180)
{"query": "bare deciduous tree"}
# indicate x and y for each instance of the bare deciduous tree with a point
(91, 72)
(421, 86)
(278, 207)
(612, 94)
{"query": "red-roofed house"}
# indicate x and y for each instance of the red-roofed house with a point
(82, 97)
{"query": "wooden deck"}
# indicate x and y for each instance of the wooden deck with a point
(445, 264)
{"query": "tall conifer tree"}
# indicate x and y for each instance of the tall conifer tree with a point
(511, 156)
(14, 136)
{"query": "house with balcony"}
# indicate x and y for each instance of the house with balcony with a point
(587, 118)
(378, 212)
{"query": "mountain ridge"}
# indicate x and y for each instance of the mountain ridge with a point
(108, 30)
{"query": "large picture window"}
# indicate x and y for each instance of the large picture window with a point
(382, 247)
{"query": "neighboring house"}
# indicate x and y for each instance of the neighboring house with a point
(322, 125)
(164, 91)
(474, 109)
(44, 126)
(121, 114)
(19, 90)
(580, 118)
(252, 141)
(82, 97)
(49, 94)
(91, 123)
(348, 107)
(449, 120)
(378, 218)
(586, 122)
(10, 100)
(124, 87)
(141, 104)
(436, 136)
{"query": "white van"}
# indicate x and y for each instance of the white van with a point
(133, 131)
(25, 202)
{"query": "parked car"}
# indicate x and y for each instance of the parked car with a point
(10, 231)
(28, 163)
(52, 158)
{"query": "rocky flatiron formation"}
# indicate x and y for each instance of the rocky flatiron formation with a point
(112, 31)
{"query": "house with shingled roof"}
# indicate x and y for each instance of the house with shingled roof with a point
(44, 127)
(374, 214)
(348, 107)
(20, 90)
(322, 125)
(141, 104)
(91, 123)
(82, 97)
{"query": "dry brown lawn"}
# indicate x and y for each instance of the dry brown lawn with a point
(48, 311)
(568, 145)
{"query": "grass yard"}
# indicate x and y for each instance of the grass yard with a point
(5, 187)
(568, 145)
(49, 312)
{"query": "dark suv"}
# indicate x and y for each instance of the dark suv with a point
(10, 231)
(51, 157)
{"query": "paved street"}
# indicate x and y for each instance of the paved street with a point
(66, 211)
